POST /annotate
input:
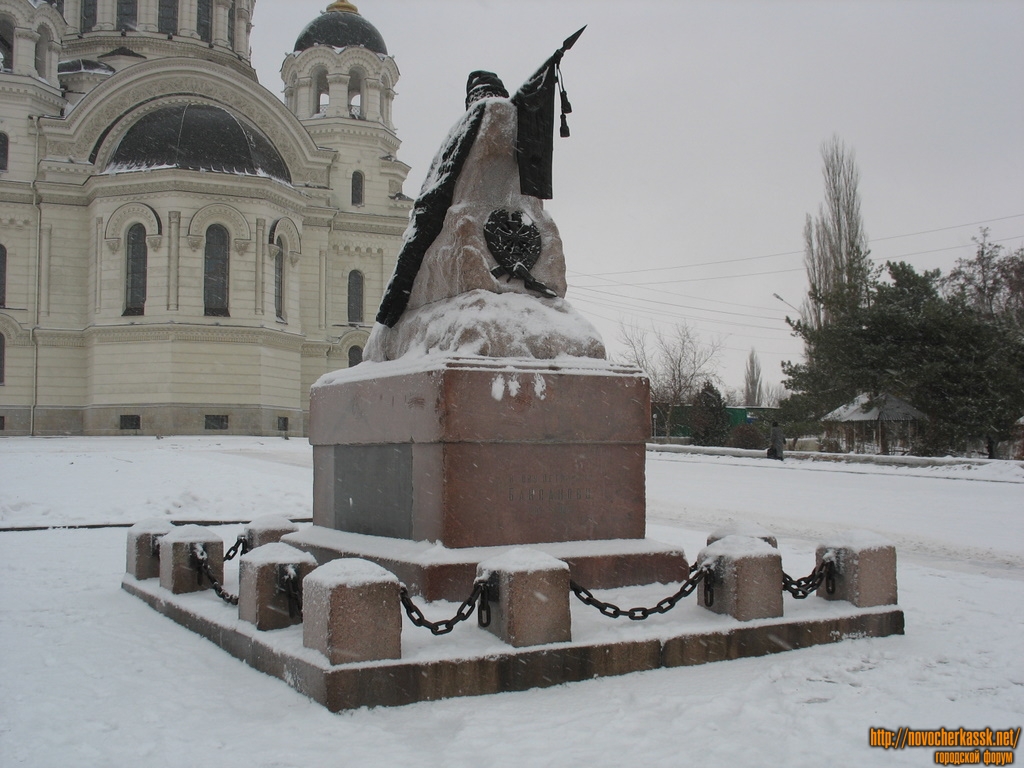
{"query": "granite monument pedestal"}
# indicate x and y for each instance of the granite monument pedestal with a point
(471, 453)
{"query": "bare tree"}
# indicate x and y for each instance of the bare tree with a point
(835, 245)
(677, 362)
(774, 394)
(992, 283)
(753, 391)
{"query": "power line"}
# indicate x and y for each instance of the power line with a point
(797, 253)
(783, 271)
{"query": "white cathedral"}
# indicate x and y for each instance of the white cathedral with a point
(180, 251)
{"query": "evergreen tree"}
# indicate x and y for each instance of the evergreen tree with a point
(964, 371)
(709, 421)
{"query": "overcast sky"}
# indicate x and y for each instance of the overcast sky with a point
(695, 155)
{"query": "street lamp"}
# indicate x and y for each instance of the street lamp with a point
(785, 302)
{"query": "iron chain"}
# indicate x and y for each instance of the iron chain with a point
(825, 573)
(290, 584)
(202, 562)
(240, 547)
(480, 592)
(698, 573)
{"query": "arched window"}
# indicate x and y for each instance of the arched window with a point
(6, 44)
(136, 256)
(204, 20)
(3, 350)
(355, 356)
(3, 276)
(4, 147)
(355, 94)
(279, 280)
(167, 20)
(231, 25)
(215, 272)
(323, 91)
(88, 15)
(358, 187)
(385, 100)
(127, 14)
(43, 52)
(355, 296)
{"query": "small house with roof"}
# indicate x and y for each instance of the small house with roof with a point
(881, 423)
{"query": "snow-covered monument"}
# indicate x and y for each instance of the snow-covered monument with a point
(180, 250)
(488, 455)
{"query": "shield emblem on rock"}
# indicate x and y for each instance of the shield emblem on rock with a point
(515, 243)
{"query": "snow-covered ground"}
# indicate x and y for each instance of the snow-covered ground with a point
(90, 676)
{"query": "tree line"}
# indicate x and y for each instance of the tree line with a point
(952, 345)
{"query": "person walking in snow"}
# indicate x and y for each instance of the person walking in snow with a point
(776, 442)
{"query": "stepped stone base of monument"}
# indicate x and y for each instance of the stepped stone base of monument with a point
(494, 667)
(438, 573)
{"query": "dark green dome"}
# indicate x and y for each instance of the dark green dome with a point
(198, 137)
(339, 28)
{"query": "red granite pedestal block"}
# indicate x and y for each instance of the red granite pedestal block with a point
(529, 597)
(143, 554)
(747, 576)
(262, 593)
(865, 572)
(178, 565)
(352, 612)
(482, 453)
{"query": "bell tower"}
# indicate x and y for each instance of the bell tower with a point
(340, 83)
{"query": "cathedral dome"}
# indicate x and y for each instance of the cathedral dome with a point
(198, 137)
(339, 27)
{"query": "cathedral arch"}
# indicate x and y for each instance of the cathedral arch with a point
(16, 336)
(7, 42)
(42, 58)
(321, 90)
(286, 230)
(219, 213)
(132, 213)
(356, 98)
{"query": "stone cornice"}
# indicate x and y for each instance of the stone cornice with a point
(160, 332)
(154, 45)
(20, 195)
(345, 126)
(391, 226)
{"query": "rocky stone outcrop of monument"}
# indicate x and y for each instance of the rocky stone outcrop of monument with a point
(479, 232)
